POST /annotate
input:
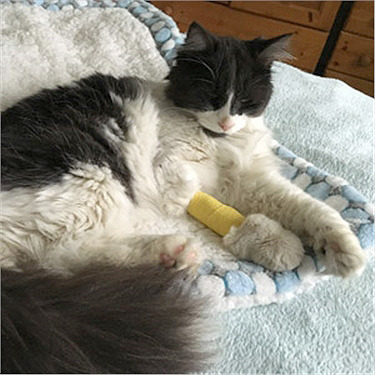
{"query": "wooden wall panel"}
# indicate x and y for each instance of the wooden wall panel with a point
(361, 19)
(310, 21)
(354, 55)
(315, 14)
(223, 20)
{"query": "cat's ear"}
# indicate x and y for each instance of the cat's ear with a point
(270, 50)
(198, 38)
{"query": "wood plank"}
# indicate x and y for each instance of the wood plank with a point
(354, 55)
(315, 14)
(221, 2)
(306, 44)
(360, 84)
(361, 19)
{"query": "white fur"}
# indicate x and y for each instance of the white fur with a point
(88, 213)
(211, 119)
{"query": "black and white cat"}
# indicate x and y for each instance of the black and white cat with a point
(83, 164)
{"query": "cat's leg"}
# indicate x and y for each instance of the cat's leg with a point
(86, 217)
(158, 180)
(177, 183)
(277, 198)
(172, 250)
(164, 181)
(56, 220)
(141, 145)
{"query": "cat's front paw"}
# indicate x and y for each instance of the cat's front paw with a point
(179, 252)
(344, 255)
(180, 183)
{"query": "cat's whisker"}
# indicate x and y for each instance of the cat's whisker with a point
(203, 80)
(200, 61)
(220, 62)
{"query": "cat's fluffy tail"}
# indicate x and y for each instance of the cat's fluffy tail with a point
(104, 319)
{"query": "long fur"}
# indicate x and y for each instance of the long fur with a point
(87, 165)
(104, 319)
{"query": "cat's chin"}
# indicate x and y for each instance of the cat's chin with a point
(218, 132)
(213, 134)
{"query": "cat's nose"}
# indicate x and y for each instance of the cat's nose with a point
(226, 123)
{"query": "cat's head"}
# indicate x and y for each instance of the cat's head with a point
(223, 80)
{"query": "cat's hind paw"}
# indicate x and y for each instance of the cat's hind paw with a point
(179, 252)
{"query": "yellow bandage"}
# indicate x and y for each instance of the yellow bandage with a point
(214, 214)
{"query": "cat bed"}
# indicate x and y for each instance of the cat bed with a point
(51, 48)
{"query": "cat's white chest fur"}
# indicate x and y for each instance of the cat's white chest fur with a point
(190, 160)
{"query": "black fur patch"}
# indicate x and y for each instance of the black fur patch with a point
(45, 135)
(104, 319)
(209, 68)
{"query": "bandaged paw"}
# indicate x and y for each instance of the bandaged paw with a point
(256, 237)
(214, 214)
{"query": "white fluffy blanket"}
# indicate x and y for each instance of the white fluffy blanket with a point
(42, 49)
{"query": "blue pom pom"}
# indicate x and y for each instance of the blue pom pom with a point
(138, 10)
(316, 173)
(206, 268)
(289, 171)
(366, 235)
(319, 190)
(150, 21)
(286, 281)
(355, 213)
(284, 153)
(238, 283)
(170, 55)
(53, 7)
(123, 3)
(162, 35)
(352, 194)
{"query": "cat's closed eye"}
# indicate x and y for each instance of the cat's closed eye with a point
(209, 83)
(245, 101)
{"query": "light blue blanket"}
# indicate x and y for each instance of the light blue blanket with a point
(330, 330)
